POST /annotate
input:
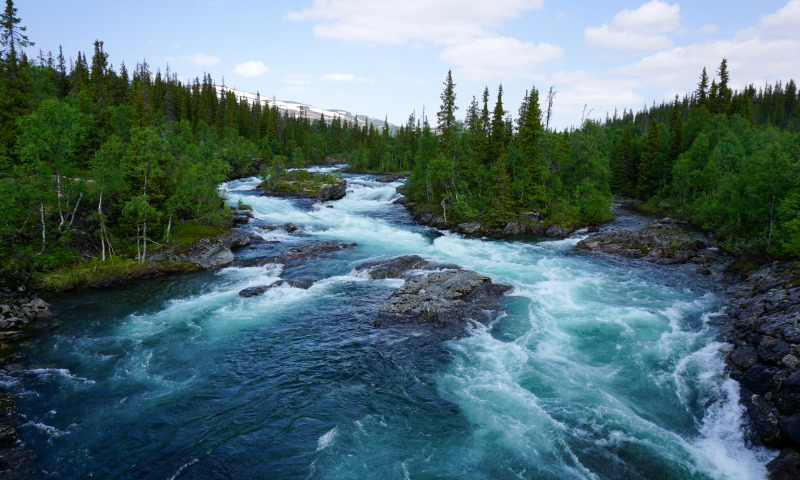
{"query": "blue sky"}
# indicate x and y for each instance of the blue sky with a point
(387, 58)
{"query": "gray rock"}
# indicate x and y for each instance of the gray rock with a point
(253, 291)
(557, 232)
(785, 467)
(744, 356)
(394, 268)
(216, 252)
(332, 191)
(388, 178)
(664, 244)
(468, 228)
(299, 255)
(290, 227)
(513, 228)
(448, 299)
(772, 349)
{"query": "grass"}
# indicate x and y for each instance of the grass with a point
(115, 271)
(190, 232)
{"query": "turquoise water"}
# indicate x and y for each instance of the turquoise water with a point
(598, 368)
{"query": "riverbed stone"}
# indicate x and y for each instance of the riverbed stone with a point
(335, 190)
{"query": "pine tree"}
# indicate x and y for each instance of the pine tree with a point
(447, 111)
(649, 164)
(497, 135)
(702, 88)
(675, 142)
(15, 84)
(625, 169)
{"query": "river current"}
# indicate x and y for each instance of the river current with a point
(598, 367)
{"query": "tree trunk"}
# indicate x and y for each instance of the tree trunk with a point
(72, 218)
(102, 227)
(44, 228)
(58, 197)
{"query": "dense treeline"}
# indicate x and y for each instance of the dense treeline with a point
(110, 162)
(492, 169)
(728, 159)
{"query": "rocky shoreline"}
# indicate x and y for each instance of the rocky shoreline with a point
(21, 316)
(762, 325)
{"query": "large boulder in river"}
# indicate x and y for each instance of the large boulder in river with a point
(448, 298)
(442, 295)
(216, 252)
(333, 191)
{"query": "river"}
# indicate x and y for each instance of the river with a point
(598, 367)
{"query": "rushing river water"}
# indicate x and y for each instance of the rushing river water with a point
(599, 368)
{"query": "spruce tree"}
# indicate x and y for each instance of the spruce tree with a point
(15, 84)
(702, 88)
(497, 136)
(447, 111)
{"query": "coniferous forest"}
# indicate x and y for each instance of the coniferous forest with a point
(99, 162)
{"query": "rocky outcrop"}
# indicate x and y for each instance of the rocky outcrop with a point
(206, 253)
(444, 296)
(19, 315)
(447, 299)
(214, 252)
(764, 311)
(335, 190)
(661, 242)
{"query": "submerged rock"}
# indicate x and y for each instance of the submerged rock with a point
(395, 268)
(299, 255)
(253, 291)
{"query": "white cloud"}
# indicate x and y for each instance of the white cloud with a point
(201, 60)
(504, 57)
(345, 77)
(783, 23)
(641, 30)
(749, 60)
(609, 37)
(435, 21)
(253, 68)
(708, 28)
(598, 94)
(653, 17)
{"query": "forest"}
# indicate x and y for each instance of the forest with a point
(98, 163)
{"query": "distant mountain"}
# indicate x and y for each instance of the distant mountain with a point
(310, 111)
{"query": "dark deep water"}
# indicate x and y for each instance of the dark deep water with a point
(600, 368)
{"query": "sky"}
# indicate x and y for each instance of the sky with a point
(386, 58)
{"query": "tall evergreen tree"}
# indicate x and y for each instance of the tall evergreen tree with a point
(497, 135)
(447, 111)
